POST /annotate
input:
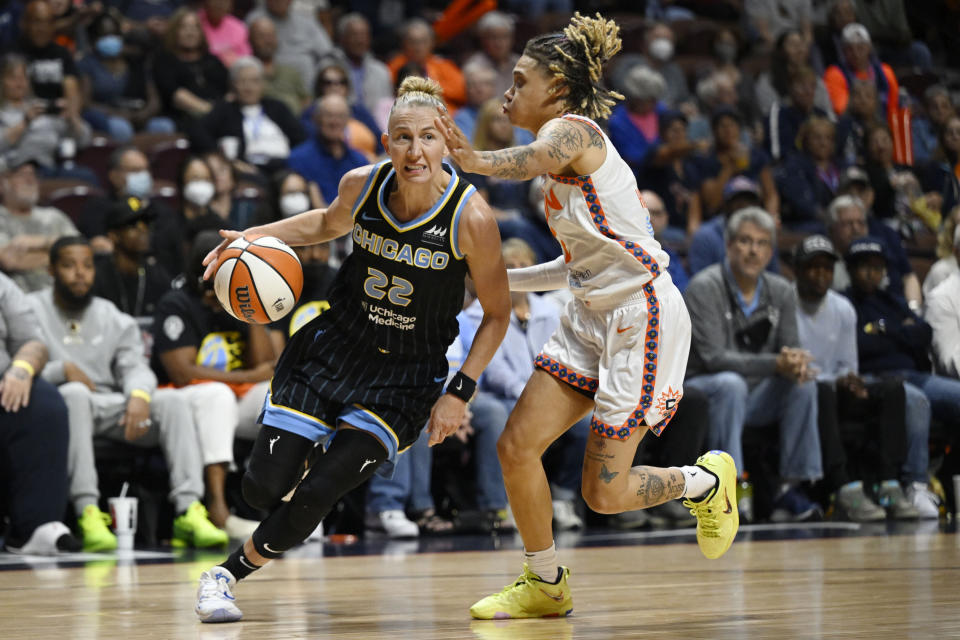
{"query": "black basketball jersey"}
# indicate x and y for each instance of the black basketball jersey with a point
(401, 288)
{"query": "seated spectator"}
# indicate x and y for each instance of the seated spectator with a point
(371, 79)
(35, 129)
(946, 266)
(673, 171)
(893, 341)
(715, 92)
(887, 23)
(495, 32)
(863, 114)
(189, 78)
(791, 53)
(197, 191)
(827, 325)
(225, 34)
(829, 40)
(264, 128)
(303, 42)
(768, 18)
(98, 362)
(658, 220)
(899, 194)
(659, 41)
(363, 132)
(33, 436)
(281, 81)
(943, 314)
(416, 46)
(851, 224)
(325, 157)
(859, 62)
(708, 245)
(479, 80)
(927, 124)
(228, 200)
(223, 366)
(118, 89)
(942, 173)
(725, 50)
(782, 126)
(53, 74)
(808, 180)
(26, 230)
(729, 158)
(128, 277)
(751, 365)
(635, 123)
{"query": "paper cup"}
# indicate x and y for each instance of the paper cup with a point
(123, 511)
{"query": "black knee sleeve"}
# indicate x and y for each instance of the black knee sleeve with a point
(276, 464)
(352, 459)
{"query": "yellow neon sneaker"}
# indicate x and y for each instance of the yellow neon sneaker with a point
(194, 529)
(93, 527)
(717, 515)
(528, 597)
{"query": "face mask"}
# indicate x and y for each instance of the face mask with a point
(726, 51)
(293, 203)
(199, 192)
(661, 49)
(110, 46)
(139, 184)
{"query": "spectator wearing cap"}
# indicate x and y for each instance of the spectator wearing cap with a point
(635, 123)
(745, 355)
(659, 219)
(674, 173)
(129, 277)
(827, 326)
(730, 158)
(707, 246)
(893, 341)
(855, 182)
(858, 62)
(26, 230)
(943, 314)
(808, 180)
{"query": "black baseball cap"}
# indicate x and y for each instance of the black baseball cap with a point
(815, 245)
(127, 212)
(864, 247)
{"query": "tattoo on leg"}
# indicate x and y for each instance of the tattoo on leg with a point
(606, 475)
(656, 486)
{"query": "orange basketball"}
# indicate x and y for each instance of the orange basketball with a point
(258, 281)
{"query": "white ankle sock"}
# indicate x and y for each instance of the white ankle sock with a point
(543, 563)
(698, 482)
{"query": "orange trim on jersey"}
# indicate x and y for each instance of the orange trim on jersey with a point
(587, 121)
(564, 373)
(595, 208)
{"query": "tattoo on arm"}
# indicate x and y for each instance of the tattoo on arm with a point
(19, 373)
(596, 140)
(509, 163)
(564, 141)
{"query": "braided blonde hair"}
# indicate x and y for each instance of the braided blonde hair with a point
(575, 57)
(416, 91)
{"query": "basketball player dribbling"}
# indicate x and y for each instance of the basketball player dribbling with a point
(364, 377)
(621, 348)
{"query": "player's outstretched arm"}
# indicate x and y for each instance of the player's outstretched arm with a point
(310, 227)
(560, 145)
(480, 241)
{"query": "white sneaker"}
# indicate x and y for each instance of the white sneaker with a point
(926, 502)
(215, 601)
(565, 516)
(394, 523)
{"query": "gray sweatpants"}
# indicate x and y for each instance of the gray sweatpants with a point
(92, 413)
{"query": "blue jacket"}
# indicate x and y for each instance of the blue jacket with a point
(630, 142)
(314, 162)
(805, 195)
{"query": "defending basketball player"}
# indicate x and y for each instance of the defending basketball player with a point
(362, 378)
(621, 349)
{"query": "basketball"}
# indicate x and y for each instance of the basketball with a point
(258, 281)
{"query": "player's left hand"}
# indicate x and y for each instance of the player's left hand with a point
(458, 144)
(445, 418)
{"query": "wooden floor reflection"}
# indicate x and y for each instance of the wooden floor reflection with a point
(858, 587)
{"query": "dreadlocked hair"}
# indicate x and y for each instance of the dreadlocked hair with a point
(415, 91)
(576, 57)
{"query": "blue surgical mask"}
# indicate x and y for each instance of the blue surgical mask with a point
(140, 184)
(110, 46)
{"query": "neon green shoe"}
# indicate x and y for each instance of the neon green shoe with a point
(194, 529)
(717, 515)
(528, 597)
(93, 527)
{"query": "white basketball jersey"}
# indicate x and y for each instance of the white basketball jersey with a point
(604, 229)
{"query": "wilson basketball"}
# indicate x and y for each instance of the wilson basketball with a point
(258, 281)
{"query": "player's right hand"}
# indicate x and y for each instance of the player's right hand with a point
(210, 262)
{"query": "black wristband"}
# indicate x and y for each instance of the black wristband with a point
(462, 386)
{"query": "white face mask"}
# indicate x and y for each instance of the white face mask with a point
(293, 203)
(661, 49)
(199, 192)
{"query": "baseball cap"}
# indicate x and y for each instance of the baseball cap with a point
(127, 212)
(740, 185)
(865, 246)
(853, 175)
(815, 245)
(855, 33)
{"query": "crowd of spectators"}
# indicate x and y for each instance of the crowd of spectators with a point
(800, 162)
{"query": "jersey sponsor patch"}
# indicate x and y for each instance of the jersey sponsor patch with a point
(173, 327)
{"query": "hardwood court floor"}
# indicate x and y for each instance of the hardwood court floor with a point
(901, 586)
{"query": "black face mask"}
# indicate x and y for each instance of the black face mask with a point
(71, 300)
